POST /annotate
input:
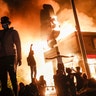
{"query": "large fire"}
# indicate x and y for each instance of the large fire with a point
(38, 45)
(28, 33)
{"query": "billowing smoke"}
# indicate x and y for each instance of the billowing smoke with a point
(23, 14)
(22, 8)
(87, 7)
(26, 12)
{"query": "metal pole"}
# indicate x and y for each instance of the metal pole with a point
(81, 43)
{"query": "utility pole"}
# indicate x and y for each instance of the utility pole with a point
(80, 39)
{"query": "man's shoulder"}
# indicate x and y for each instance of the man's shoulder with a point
(12, 29)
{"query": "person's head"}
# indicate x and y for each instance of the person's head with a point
(84, 76)
(68, 70)
(58, 53)
(78, 68)
(41, 77)
(31, 47)
(5, 22)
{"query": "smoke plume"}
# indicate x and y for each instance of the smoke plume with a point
(85, 6)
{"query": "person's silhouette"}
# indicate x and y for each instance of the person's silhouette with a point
(32, 63)
(42, 85)
(10, 54)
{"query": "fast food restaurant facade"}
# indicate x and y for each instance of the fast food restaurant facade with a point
(70, 46)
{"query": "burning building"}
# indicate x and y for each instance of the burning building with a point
(70, 46)
(25, 17)
(80, 46)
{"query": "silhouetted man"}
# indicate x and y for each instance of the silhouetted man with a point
(10, 55)
(32, 63)
(42, 86)
(79, 78)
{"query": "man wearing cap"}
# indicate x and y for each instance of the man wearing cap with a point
(10, 55)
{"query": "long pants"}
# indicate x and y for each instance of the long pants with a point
(33, 71)
(7, 66)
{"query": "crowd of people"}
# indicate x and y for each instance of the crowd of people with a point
(74, 83)
(35, 88)
(11, 56)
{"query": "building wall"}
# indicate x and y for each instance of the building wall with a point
(70, 43)
(70, 46)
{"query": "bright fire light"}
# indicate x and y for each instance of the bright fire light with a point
(42, 68)
(66, 28)
(55, 23)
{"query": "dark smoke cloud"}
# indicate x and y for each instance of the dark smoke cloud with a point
(27, 7)
(85, 6)
(63, 3)
(26, 12)
(88, 7)
(21, 7)
(29, 10)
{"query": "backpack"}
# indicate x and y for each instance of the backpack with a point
(28, 61)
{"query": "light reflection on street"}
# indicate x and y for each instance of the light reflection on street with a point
(50, 91)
